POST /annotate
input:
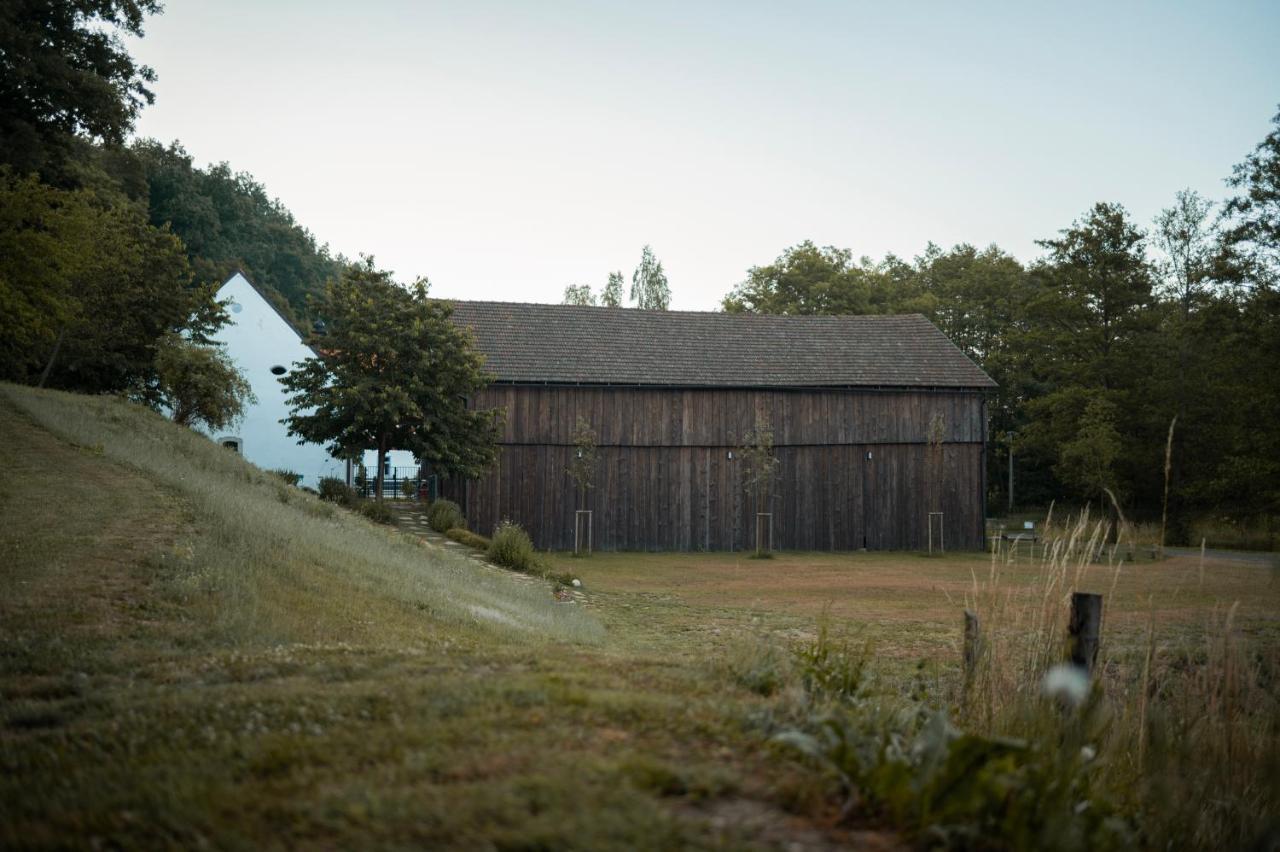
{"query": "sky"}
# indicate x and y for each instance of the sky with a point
(505, 150)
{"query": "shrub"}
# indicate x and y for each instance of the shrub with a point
(376, 511)
(512, 547)
(444, 515)
(288, 477)
(462, 535)
(336, 491)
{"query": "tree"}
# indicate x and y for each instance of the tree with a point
(579, 294)
(611, 295)
(582, 468)
(1086, 462)
(1187, 239)
(197, 383)
(228, 221)
(804, 279)
(649, 288)
(1252, 232)
(89, 288)
(759, 468)
(1094, 288)
(65, 74)
(394, 372)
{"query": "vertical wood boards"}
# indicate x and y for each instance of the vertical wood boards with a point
(665, 481)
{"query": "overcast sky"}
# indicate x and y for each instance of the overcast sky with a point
(505, 150)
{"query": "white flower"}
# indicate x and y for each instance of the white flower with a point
(1067, 683)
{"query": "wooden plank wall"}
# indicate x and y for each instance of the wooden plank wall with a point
(665, 480)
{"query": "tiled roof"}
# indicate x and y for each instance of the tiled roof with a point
(571, 344)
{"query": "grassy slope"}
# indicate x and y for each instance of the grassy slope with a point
(190, 651)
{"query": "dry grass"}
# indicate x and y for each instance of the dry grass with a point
(192, 654)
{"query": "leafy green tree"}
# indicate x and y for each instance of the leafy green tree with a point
(804, 279)
(1186, 236)
(579, 294)
(611, 295)
(1252, 233)
(89, 288)
(198, 383)
(649, 289)
(1086, 462)
(582, 467)
(1094, 288)
(228, 222)
(65, 74)
(394, 372)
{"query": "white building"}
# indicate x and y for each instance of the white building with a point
(264, 346)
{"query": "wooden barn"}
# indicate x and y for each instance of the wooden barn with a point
(877, 421)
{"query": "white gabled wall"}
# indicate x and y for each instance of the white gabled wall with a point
(257, 339)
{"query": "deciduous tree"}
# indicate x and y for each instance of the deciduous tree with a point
(394, 372)
(198, 383)
(611, 295)
(649, 289)
(65, 74)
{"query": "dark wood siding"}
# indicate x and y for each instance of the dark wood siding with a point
(856, 467)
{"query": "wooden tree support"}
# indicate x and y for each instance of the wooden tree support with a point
(941, 545)
(582, 532)
(764, 533)
(1084, 630)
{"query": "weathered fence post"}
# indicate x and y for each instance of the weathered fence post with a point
(1084, 629)
(972, 647)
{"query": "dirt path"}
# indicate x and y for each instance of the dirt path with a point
(80, 536)
(1248, 557)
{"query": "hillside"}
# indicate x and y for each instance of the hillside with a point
(193, 652)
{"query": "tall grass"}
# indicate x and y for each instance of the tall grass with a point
(1186, 732)
(278, 564)
(1174, 744)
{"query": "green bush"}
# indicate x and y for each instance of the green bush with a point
(444, 515)
(376, 511)
(336, 491)
(288, 477)
(462, 535)
(512, 547)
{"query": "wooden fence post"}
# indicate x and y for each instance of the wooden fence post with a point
(1084, 630)
(972, 646)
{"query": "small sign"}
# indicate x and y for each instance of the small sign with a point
(1028, 525)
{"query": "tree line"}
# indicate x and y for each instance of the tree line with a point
(1100, 343)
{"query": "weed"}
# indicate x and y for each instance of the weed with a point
(335, 490)
(511, 547)
(377, 511)
(444, 515)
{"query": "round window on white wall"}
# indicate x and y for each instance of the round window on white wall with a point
(236, 307)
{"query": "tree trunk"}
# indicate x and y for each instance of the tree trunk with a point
(382, 456)
(48, 367)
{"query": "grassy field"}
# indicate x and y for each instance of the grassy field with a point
(193, 653)
(910, 605)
